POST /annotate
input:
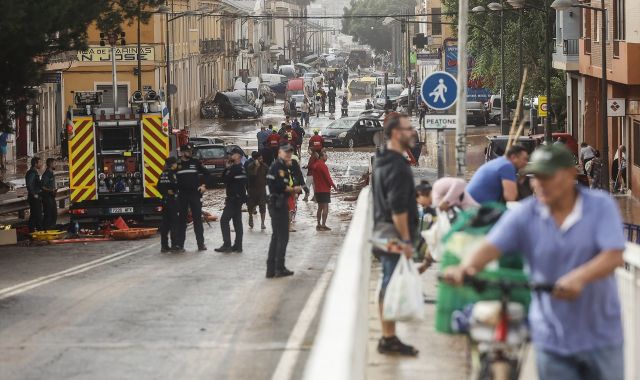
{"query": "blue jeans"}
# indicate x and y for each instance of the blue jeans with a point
(389, 262)
(599, 364)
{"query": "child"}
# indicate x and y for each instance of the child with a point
(427, 216)
(168, 187)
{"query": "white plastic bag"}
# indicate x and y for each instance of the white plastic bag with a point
(433, 236)
(403, 299)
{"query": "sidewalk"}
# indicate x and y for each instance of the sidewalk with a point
(442, 357)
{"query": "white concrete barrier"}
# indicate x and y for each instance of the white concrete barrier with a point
(340, 348)
(629, 289)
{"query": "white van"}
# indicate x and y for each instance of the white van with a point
(271, 79)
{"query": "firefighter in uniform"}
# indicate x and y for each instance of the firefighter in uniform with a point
(235, 180)
(168, 187)
(190, 196)
(280, 184)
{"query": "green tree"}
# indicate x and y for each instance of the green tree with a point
(368, 30)
(33, 31)
(484, 46)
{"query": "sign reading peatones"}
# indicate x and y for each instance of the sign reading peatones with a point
(123, 53)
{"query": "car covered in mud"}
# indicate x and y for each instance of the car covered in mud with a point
(233, 106)
(349, 132)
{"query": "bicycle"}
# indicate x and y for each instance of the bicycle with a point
(497, 329)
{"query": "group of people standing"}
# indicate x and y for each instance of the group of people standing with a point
(41, 194)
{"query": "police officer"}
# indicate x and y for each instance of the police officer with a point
(49, 207)
(235, 180)
(281, 187)
(34, 189)
(168, 187)
(190, 196)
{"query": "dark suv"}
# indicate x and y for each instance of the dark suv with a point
(351, 132)
(214, 157)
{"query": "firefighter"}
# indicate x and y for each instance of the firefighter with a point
(190, 196)
(34, 189)
(280, 184)
(168, 187)
(235, 179)
(49, 195)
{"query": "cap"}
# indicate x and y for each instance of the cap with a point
(236, 151)
(548, 159)
(187, 146)
(286, 147)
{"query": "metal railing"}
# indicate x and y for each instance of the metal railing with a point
(340, 348)
(570, 47)
(629, 290)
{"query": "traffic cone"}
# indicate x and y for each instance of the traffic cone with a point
(120, 224)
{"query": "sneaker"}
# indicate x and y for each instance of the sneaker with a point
(270, 274)
(224, 249)
(236, 249)
(165, 249)
(202, 248)
(325, 228)
(283, 273)
(250, 221)
(393, 345)
(318, 228)
(263, 227)
(177, 249)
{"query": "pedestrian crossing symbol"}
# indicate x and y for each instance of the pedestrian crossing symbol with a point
(439, 90)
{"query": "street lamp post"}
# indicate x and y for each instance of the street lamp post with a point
(562, 5)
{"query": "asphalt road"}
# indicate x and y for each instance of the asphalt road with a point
(125, 311)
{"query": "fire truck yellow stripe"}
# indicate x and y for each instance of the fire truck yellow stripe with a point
(156, 149)
(81, 161)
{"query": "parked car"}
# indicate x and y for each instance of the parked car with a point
(277, 83)
(352, 131)
(247, 95)
(393, 92)
(233, 105)
(205, 140)
(252, 85)
(214, 157)
(476, 114)
(497, 144)
(288, 71)
(493, 108)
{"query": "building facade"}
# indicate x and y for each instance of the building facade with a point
(622, 49)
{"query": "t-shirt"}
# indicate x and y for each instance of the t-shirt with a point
(587, 153)
(593, 320)
(486, 183)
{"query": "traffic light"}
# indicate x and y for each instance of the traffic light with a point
(420, 40)
(136, 71)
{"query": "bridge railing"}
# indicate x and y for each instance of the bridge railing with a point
(339, 351)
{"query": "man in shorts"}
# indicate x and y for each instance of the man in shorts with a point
(257, 175)
(322, 183)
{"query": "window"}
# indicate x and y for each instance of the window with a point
(596, 26)
(618, 20)
(636, 142)
(436, 26)
(107, 95)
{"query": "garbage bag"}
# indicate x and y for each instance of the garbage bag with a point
(403, 299)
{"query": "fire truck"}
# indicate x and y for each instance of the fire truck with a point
(116, 158)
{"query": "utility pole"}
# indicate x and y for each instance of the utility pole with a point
(503, 92)
(461, 116)
(139, 55)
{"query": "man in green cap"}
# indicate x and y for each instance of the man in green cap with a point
(570, 236)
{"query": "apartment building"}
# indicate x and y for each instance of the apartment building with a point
(622, 49)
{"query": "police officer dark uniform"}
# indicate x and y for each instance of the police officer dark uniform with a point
(168, 187)
(235, 180)
(34, 189)
(50, 210)
(280, 184)
(190, 196)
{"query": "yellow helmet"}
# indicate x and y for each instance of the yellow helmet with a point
(316, 130)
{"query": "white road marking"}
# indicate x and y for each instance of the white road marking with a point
(28, 285)
(289, 358)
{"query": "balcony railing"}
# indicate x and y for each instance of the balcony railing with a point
(212, 46)
(587, 45)
(570, 47)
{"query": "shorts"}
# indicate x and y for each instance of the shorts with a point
(323, 197)
(259, 201)
(389, 262)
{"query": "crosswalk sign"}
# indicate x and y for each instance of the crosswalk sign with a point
(440, 90)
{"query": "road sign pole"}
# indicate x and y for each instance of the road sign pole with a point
(440, 144)
(461, 125)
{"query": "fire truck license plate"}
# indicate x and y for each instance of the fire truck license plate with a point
(121, 210)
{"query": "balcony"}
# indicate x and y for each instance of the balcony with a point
(232, 49)
(212, 46)
(565, 54)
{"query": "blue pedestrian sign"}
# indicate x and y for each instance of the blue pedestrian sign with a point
(439, 90)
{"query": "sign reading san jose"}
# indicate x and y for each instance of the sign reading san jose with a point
(440, 90)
